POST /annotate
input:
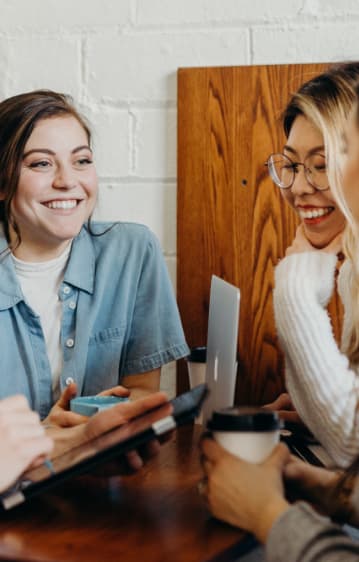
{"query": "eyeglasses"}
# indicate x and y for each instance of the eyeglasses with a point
(283, 170)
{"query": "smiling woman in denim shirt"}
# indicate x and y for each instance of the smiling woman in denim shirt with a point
(84, 306)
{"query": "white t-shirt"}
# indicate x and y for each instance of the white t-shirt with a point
(40, 283)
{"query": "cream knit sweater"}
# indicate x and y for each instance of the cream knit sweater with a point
(323, 387)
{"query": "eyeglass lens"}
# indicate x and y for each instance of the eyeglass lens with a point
(283, 170)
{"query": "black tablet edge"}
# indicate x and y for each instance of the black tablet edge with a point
(301, 450)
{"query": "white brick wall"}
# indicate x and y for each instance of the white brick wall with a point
(119, 59)
(144, 61)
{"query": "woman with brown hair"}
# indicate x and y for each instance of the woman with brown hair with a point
(84, 306)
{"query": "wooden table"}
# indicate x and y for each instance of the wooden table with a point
(153, 516)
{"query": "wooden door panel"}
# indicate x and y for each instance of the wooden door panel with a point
(231, 219)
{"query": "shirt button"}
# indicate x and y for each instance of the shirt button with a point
(69, 381)
(72, 305)
(66, 290)
(70, 342)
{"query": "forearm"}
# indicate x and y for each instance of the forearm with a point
(268, 516)
(330, 492)
(143, 384)
(301, 535)
(343, 499)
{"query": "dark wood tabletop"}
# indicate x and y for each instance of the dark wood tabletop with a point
(154, 515)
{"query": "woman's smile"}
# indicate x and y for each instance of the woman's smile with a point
(314, 215)
(316, 208)
(57, 188)
(61, 204)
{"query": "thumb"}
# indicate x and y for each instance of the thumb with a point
(69, 393)
(279, 457)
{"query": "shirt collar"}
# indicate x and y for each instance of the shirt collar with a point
(10, 289)
(80, 271)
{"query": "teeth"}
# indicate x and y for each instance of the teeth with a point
(314, 213)
(70, 204)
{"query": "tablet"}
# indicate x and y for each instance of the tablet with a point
(110, 445)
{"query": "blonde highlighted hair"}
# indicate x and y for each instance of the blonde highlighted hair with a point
(326, 101)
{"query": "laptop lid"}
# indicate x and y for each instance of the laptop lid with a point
(222, 337)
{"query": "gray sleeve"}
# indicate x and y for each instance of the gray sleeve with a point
(301, 535)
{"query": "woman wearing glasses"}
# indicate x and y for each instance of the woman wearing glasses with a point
(322, 380)
(301, 174)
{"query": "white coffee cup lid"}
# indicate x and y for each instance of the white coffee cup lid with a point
(244, 418)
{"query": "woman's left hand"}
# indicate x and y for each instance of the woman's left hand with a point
(249, 496)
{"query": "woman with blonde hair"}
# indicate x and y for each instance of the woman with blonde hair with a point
(252, 496)
(322, 380)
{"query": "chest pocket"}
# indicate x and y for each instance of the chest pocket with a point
(105, 349)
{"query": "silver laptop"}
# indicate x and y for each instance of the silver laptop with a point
(222, 340)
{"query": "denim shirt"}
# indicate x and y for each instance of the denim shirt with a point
(119, 316)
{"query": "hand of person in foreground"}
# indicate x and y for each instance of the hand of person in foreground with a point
(323, 488)
(301, 244)
(246, 495)
(311, 482)
(23, 441)
(101, 423)
(60, 413)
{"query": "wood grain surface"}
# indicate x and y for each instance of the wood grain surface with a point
(231, 219)
(155, 515)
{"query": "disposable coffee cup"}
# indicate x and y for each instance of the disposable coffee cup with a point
(196, 365)
(248, 433)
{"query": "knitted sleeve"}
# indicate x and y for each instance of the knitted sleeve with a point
(322, 386)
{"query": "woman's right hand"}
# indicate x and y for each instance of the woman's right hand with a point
(23, 441)
(314, 484)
